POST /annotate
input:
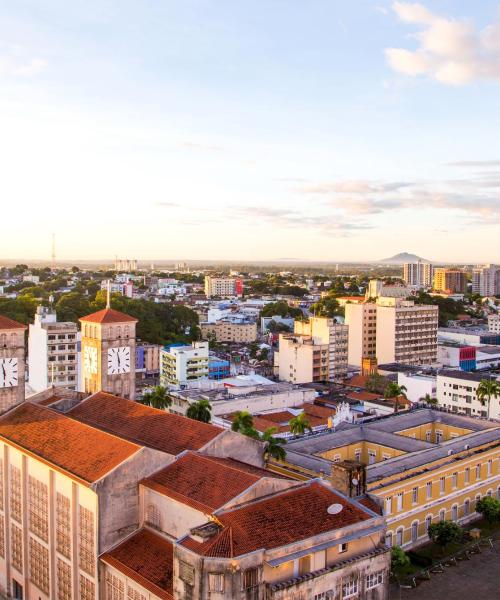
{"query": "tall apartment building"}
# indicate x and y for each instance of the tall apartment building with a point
(450, 280)
(486, 280)
(325, 331)
(362, 322)
(223, 286)
(53, 353)
(301, 359)
(406, 332)
(418, 274)
(181, 365)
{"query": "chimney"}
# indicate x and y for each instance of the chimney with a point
(349, 477)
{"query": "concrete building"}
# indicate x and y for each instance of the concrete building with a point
(377, 289)
(452, 281)
(227, 330)
(469, 336)
(362, 322)
(147, 359)
(12, 365)
(224, 287)
(406, 332)
(418, 385)
(418, 274)
(301, 359)
(457, 392)
(486, 280)
(494, 323)
(419, 468)
(181, 365)
(53, 352)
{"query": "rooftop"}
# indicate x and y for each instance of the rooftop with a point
(146, 558)
(144, 425)
(465, 375)
(109, 315)
(6, 323)
(68, 445)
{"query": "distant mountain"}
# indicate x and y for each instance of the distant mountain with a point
(402, 257)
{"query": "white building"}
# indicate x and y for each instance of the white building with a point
(225, 287)
(486, 280)
(181, 365)
(494, 323)
(457, 391)
(53, 352)
(362, 322)
(418, 385)
(406, 332)
(418, 274)
(377, 288)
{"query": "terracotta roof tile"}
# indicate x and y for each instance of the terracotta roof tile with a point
(204, 482)
(147, 558)
(6, 323)
(314, 410)
(364, 396)
(144, 425)
(73, 447)
(282, 519)
(108, 315)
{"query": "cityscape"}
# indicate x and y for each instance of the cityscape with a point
(249, 300)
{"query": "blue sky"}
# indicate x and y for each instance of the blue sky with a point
(319, 130)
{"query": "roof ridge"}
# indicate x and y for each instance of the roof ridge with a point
(210, 458)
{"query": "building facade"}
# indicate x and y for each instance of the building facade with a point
(224, 287)
(226, 330)
(486, 280)
(12, 363)
(457, 392)
(53, 352)
(452, 281)
(362, 322)
(418, 274)
(181, 365)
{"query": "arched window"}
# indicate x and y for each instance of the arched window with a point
(13, 340)
(489, 493)
(388, 539)
(3, 340)
(466, 507)
(399, 537)
(126, 331)
(118, 332)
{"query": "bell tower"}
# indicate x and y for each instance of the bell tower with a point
(108, 353)
(12, 365)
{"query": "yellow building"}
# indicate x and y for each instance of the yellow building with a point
(420, 467)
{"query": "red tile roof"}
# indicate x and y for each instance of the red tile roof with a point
(282, 519)
(371, 504)
(75, 448)
(6, 323)
(322, 412)
(147, 558)
(108, 315)
(144, 425)
(204, 482)
(364, 396)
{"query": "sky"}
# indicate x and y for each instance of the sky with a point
(327, 130)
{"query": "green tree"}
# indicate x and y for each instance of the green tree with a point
(490, 509)
(72, 306)
(300, 424)
(200, 411)
(274, 445)
(485, 390)
(157, 398)
(444, 533)
(242, 421)
(399, 558)
(281, 309)
(326, 307)
(393, 390)
(429, 400)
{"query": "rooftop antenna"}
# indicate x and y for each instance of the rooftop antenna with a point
(108, 295)
(53, 256)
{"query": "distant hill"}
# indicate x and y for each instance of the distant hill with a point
(402, 257)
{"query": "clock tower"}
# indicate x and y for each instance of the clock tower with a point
(12, 366)
(108, 353)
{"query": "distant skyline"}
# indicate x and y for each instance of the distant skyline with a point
(219, 130)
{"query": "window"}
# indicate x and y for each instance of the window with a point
(153, 517)
(428, 487)
(454, 512)
(442, 514)
(374, 579)
(439, 436)
(38, 517)
(489, 467)
(63, 580)
(428, 522)
(87, 589)
(305, 565)
(86, 540)
(467, 475)
(115, 587)
(357, 454)
(372, 457)
(442, 485)
(15, 494)
(216, 582)
(388, 505)
(478, 471)
(454, 480)
(17, 547)
(399, 537)
(186, 572)
(399, 501)
(133, 594)
(63, 525)
(414, 531)
(39, 565)
(428, 435)
(466, 507)
(343, 548)
(350, 588)
(414, 495)
(388, 539)
(250, 578)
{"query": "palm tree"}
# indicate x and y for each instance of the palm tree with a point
(200, 411)
(242, 420)
(393, 390)
(274, 445)
(429, 400)
(485, 390)
(157, 398)
(299, 424)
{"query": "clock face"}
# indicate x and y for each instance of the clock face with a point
(90, 360)
(8, 372)
(119, 360)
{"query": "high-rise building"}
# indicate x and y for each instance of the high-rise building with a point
(406, 332)
(52, 352)
(223, 286)
(108, 353)
(418, 274)
(362, 322)
(181, 365)
(301, 359)
(450, 280)
(486, 280)
(12, 367)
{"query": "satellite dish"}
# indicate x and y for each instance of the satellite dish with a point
(334, 509)
(354, 481)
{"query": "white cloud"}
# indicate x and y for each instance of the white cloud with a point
(10, 66)
(451, 51)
